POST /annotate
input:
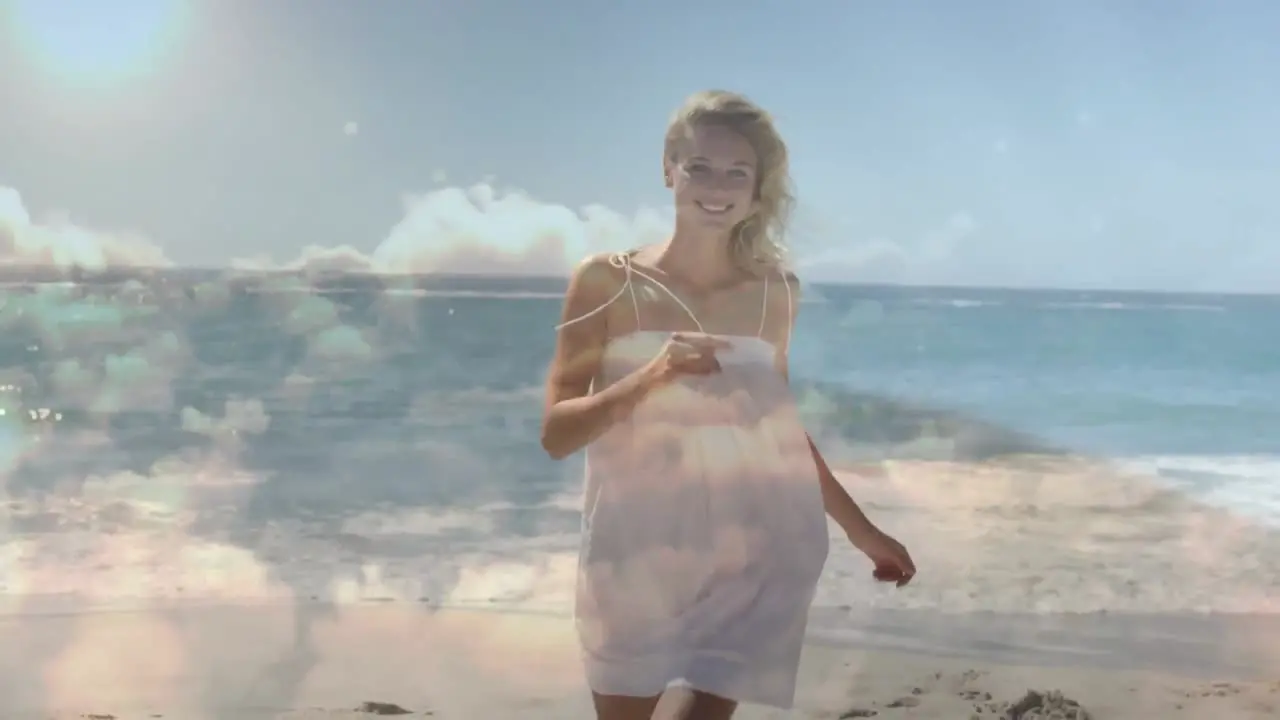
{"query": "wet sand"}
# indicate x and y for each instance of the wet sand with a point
(330, 661)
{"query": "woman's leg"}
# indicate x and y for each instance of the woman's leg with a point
(706, 706)
(624, 707)
(702, 706)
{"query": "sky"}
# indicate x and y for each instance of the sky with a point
(1091, 144)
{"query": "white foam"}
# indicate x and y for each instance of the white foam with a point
(990, 539)
(957, 303)
(1247, 484)
(1134, 306)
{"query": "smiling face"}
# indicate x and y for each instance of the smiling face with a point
(712, 172)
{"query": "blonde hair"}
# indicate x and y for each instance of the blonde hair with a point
(758, 244)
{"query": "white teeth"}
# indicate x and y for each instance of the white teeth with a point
(714, 208)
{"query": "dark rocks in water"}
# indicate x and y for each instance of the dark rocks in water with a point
(864, 427)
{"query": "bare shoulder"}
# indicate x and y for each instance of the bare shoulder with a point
(594, 282)
(597, 275)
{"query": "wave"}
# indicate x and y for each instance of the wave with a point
(1073, 537)
(1100, 305)
(860, 426)
(162, 438)
(958, 303)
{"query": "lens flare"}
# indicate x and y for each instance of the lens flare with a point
(96, 44)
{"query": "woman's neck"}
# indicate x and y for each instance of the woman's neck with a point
(702, 262)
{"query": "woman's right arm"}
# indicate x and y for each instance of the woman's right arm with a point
(574, 416)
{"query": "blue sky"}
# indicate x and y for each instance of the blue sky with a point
(1083, 144)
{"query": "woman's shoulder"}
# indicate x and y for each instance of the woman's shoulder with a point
(599, 273)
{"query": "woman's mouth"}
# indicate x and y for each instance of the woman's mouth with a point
(714, 209)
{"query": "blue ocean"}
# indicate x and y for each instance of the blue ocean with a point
(191, 433)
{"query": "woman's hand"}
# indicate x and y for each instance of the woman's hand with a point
(893, 562)
(688, 354)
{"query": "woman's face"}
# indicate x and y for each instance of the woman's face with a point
(713, 178)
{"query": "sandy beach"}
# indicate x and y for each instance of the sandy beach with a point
(369, 659)
(1067, 586)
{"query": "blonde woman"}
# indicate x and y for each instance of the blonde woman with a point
(704, 528)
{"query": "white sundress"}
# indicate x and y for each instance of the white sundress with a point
(704, 532)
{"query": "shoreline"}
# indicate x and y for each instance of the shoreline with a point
(1064, 578)
(317, 661)
(1204, 645)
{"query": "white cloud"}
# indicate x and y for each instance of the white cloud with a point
(475, 229)
(62, 243)
(921, 259)
(480, 229)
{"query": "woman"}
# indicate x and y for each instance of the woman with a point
(703, 528)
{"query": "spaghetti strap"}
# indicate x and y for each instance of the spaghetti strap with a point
(623, 260)
(764, 309)
(617, 260)
(791, 313)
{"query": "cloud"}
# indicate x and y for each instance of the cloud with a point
(484, 230)
(62, 243)
(921, 260)
(481, 230)
(473, 230)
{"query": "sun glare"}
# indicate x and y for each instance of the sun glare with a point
(96, 43)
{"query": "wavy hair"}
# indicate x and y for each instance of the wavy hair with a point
(758, 243)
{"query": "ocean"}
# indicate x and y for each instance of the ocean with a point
(193, 434)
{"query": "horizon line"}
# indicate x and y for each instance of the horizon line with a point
(80, 274)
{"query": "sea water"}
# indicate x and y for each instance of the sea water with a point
(384, 431)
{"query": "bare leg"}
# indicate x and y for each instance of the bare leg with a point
(706, 706)
(623, 707)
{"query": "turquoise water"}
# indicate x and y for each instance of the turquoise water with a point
(1110, 374)
(257, 405)
(1188, 384)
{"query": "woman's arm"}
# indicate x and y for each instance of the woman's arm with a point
(840, 505)
(835, 499)
(573, 415)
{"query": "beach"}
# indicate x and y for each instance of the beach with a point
(1115, 594)
(230, 504)
(283, 292)
(243, 662)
